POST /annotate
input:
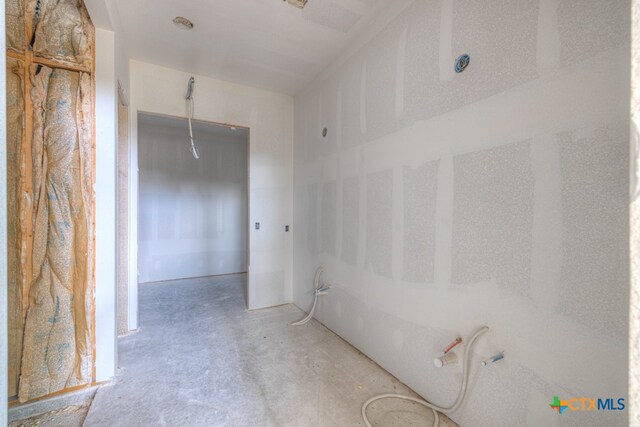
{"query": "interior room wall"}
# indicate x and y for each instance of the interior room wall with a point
(439, 202)
(269, 117)
(192, 212)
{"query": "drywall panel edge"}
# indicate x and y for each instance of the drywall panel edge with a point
(105, 188)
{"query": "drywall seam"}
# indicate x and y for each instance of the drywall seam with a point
(363, 98)
(418, 211)
(400, 61)
(547, 221)
(446, 40)
(397, 225)
(444, 234)
(549, 47)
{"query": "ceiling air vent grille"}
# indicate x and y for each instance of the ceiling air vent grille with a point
(297, 3)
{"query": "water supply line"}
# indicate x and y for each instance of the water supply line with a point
(318, 290)
(452, 345)
(435, 408)
(493, 359)
(190, 111)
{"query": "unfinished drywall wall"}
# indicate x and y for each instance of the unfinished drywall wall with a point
(193, 213)
(497, 196)
(50, 129)
(269, 117)
(493, 216)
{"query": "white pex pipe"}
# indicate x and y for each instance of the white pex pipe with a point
(435, 408)
(190, 111)
(318, 291)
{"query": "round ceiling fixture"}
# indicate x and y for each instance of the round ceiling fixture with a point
(183, 23)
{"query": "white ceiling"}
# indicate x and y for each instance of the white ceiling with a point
(263, 43)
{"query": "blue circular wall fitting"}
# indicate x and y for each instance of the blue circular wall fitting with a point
(462, 62)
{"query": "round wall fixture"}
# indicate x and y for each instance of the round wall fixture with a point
(183, 23)
(462, 62)
(324, 132)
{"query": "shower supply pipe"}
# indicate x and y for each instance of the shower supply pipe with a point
(452, 345)
(447, 359)
(435, 408)
(318, 291)
(190, 111)
(493, 359)
(321, 291)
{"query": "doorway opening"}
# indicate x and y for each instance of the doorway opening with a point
(193, 214)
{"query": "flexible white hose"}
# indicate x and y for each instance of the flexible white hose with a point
(190, 116)
(435, 408)
(190, 111)
(316, 293)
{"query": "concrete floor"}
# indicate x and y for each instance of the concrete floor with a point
(201, 359)
(65, 410)
(69, 416)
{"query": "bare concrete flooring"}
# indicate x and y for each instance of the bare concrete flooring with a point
(201, 359)
(65, 410)
(64, 417)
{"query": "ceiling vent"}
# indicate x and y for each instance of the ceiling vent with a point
(297, 3)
